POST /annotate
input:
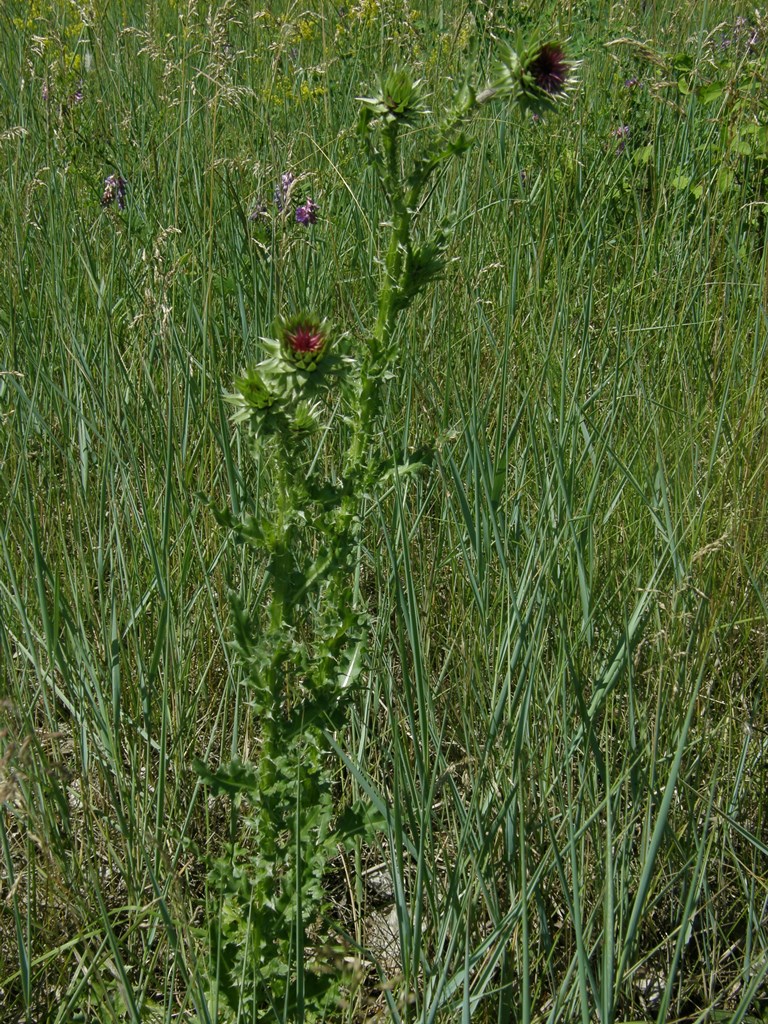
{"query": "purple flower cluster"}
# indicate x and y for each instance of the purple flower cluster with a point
(75, 97)
(114, 191)
(283, 190)
(307, 213)
(743, 36)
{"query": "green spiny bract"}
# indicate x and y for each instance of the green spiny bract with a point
(284, 392)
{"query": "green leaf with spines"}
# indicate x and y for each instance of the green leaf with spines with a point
(238, 778)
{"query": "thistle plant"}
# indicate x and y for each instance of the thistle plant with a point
(303, 653)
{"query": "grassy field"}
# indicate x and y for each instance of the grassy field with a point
(562, 722)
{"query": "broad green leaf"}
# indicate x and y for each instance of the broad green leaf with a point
(710, 93)
(681, 181)
(725, 179)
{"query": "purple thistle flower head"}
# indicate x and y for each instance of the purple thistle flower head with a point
(114, 191)
(307, 214)
(536, 77)
(550, 69)
(304, 340)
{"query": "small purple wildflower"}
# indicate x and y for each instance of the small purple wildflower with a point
(77, 95)
(622, 134)
(44, 92)
(743, 28)
(744, 37)
(114, 191)
(282, 191)
(307, 214)
(259, 212)
(632, 83)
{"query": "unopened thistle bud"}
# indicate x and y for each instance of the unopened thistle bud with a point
(398, 98)
(252, 395)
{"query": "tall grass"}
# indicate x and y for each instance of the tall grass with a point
(563, 726)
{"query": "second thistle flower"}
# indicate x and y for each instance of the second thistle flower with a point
(537, 77)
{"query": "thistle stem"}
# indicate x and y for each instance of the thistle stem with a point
(379, 354)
